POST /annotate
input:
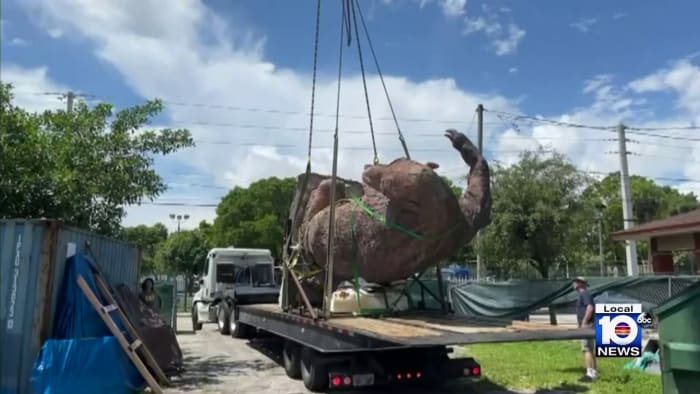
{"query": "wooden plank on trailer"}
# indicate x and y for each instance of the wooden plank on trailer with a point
(466, 327)
(142, 350)
(383, 327)
(541, 326)
(126, 346)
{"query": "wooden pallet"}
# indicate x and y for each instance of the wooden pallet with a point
(130, 349)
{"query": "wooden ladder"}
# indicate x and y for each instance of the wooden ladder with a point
(131, 349)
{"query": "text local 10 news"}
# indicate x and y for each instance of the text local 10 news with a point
(619, 328)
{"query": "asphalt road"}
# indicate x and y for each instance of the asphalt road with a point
(221, 364)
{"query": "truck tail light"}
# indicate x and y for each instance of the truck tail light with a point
(476, 371)
(336, 381)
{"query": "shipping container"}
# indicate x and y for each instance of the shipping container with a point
(32, 265)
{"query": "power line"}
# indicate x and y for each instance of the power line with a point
(551, 121)
(441, 150)
(670, 137)
(349, 148)
(664, 128)
(515, 118)
(178, 204)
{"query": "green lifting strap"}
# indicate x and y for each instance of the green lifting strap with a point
(382, 219)
(372, 312)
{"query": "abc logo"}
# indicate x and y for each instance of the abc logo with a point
(620, 330)
(645, 320)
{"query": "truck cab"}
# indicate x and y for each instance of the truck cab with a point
(233, 277)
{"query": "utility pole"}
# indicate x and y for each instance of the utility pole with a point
(600, 243)
(480, 142)
(630, 246)
(70, 96)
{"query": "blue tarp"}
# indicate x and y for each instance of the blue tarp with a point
(75, 316)
(82, 356)
(84, 366)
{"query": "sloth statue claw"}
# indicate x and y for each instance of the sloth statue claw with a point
(425, 223)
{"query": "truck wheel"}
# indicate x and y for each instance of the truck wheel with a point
(314, 373)
(223, 315)
(290, 357)
(196, 325)
(237, 329)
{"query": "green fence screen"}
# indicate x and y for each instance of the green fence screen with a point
(517, 298)
(166, 292)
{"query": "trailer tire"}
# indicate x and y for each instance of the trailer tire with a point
(236, 328)
(196, 324)
(314, 373)
(290, 358)
(223, 316)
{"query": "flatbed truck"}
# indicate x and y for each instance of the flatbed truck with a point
(239, 291)
(403, 349)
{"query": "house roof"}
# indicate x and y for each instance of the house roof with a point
(678, 224)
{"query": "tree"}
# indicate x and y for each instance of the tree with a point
(533, 210)
(650, 201)
(254, 217)
(82, 166)
(148, 239)
(183, 253)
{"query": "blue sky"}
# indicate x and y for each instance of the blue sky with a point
(594, 62)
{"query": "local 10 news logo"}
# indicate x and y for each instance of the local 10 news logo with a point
(618, 329)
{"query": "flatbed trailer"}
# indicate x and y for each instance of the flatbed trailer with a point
(407, 348)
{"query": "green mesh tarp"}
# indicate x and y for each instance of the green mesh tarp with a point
(515, 299)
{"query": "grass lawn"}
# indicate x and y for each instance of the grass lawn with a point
(555, 364)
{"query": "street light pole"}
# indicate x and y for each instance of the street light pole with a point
(179, 218)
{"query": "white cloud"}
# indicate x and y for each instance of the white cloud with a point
(229, 68)
(19, 42)
(596, 150)
(682, 77)
(55, 33)
(584, 25)
(596, 83)
(33, 88)
(619, 15)
(449, 7)
(504, 38)
(509, 43)
(453, 7)
(153, 58)
(513, 70)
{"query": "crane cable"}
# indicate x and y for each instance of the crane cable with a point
(381, 78)
(364, 82)
(313, 83)
(330, 255)
(297, 203)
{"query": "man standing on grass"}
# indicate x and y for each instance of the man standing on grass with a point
(585, 312)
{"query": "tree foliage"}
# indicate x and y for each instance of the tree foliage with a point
(184, 252)
(254, 217)
(650, 201)
(148, 239)
(82, 166)
(534, 205)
